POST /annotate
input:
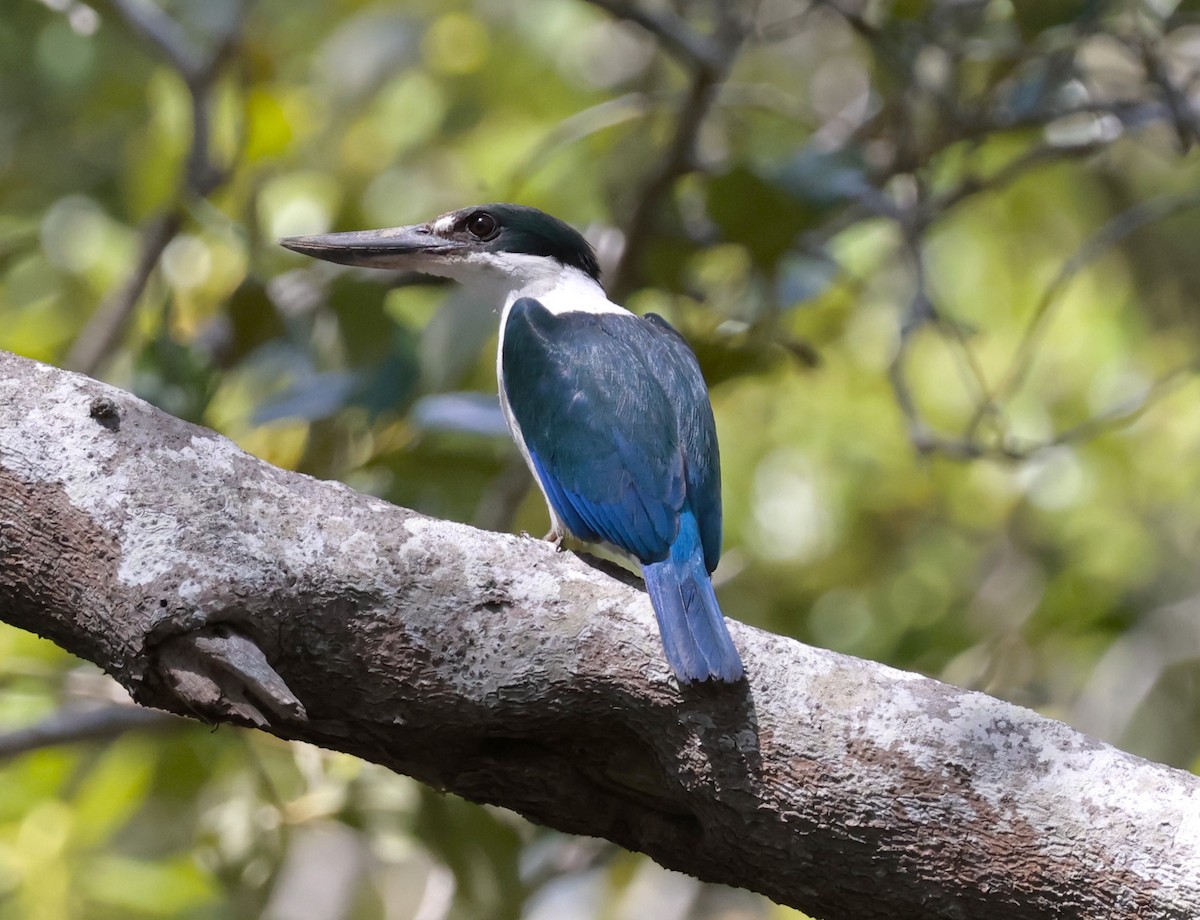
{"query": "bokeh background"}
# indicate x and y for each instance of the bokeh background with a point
(937, 260)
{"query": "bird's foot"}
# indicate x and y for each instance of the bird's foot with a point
(556, 537)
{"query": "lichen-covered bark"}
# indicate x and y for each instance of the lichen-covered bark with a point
(486, 664)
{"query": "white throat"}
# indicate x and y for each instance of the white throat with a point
(504, 278)
(564, 291)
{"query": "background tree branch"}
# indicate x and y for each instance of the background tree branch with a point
(201, 176)
(72, 725)
(214, 585)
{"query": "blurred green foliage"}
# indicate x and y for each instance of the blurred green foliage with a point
(934, 453)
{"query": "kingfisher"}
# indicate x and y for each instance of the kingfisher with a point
(608, 408)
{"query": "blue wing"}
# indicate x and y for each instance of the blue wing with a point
(698, 434)
(616, 419)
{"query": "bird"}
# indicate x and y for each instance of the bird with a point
(608, 408)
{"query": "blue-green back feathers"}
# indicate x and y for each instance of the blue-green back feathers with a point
(615, 415)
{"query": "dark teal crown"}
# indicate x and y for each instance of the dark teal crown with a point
(518, 228)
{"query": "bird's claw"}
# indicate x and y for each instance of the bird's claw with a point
(556, 537)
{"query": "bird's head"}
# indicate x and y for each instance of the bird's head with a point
(488, 244)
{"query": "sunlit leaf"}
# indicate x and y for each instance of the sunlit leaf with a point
(148, 888)
(115, 786)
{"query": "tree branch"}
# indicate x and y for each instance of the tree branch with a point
(106, 326)
(201, 177)
(1111, 234)
(693, 48)
(709, 59)
(92, 723)
(164, 33)
(491, 666)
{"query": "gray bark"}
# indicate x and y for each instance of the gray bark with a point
(211, 584)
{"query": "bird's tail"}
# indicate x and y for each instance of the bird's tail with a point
(694, 636)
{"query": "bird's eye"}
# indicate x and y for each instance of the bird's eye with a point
(482, 225)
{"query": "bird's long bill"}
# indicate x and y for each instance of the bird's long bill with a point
(396, 247)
